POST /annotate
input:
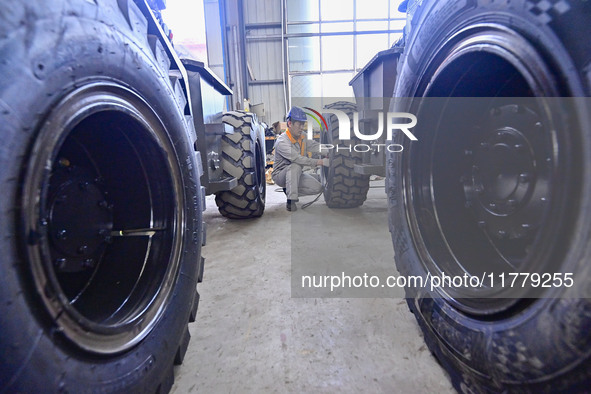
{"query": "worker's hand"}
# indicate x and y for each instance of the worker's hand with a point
(326, 162)
(319, 162)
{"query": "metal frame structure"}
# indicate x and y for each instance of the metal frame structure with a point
(239, 34)
(356, 67)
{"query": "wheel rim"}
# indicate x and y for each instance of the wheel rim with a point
(101, 211)
(487, 196)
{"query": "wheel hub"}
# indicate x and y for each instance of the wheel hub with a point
(80, 219)
(506, 184)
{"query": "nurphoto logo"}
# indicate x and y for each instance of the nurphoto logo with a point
(393, 122)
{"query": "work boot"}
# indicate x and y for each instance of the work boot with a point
(291, 206)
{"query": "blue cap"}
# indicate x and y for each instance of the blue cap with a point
(296, 113)
(403, 6)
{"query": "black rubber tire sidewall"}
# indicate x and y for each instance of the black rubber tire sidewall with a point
(76, 43)
(502, 352)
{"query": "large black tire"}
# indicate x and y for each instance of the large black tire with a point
(100, 204)
(243, 157)
(521, 51)
(343, 187)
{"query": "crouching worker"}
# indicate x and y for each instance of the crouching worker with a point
(291, 156)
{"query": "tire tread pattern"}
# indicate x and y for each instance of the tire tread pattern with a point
(344, 188)
(239, 161)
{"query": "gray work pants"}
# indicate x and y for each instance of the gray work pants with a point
(296, 182)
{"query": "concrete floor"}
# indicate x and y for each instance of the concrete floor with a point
(252, 334)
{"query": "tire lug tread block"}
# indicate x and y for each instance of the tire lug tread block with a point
(182, 349)
(159, 53)
(194, 307)
(134, 18)
(200, 277)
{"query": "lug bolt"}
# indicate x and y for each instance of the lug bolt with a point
(88, 263)
(492, 205)
(62, 234)
(519, 146)
(501, 234)
(468, 152)
(512, 203)
(83, 249)
(103, 204)
(60, 263)
(482, 224)
(43, 222)
(484, 145)
(525, 226)
(83, 185)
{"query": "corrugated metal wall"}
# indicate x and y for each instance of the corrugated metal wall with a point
(262, 19)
